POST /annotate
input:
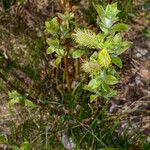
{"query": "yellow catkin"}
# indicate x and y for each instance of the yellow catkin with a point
(104, 58)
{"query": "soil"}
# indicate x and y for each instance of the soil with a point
(133, 99)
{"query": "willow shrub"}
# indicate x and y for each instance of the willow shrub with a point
(103, 48)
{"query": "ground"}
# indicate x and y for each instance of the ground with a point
(133, 99)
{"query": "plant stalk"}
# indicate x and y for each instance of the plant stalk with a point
(68, 79)
(77, 69)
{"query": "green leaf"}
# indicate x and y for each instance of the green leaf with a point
(25, 146)
(111, 80)
(100, 10)
(108, 22)
(71, 15)
(93, 97)
(117, 61)
(64, 32)
(107, 95)
(50, 50)
(58, 60)
(70, 52)
(111, 93)
(147, 33)
(94, 83)
(3, 139)
(15, 98)
(61, 16)
(52, 42)
(119, 27)
(125, 46)
(111, 10)
(14, 101)
(103, 28)
(77, 53)
(94, 57)
(131, 15)
(52, 26)
(28, 103)
(60, 51)
(105, 87)
(100, 39)
(66, 16)
(117, 39)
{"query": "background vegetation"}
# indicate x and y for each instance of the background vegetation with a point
(55, 90)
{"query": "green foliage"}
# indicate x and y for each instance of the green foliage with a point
(90, 126)
(16, 98)
(117, 61)
(24, 146)
(3, 139)
(147, 33)
(108, 20)
(125, 8)
(100, 131)
(43, 128)
(59, 33)
(109, 44)
(77, 53)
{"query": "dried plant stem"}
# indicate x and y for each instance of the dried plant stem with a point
(68, 79)
(62, 3)
(66, 5)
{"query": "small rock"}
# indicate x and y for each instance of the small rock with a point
(137, 80)
(67, 141)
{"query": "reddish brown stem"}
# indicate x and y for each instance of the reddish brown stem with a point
(76, 69)
(68, 79)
